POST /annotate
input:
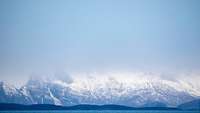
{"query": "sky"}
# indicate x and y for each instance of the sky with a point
(51, 36)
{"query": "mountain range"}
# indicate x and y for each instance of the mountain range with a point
(95, 91)
(192, 105)
(10, 106)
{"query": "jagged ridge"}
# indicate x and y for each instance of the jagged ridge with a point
(94, 91)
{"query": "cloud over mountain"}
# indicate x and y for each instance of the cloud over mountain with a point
(131, 89)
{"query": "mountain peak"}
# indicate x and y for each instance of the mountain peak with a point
(102, 90)
(8, 89)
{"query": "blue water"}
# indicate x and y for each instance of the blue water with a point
(109, 111)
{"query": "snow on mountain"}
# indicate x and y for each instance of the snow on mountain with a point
(112, 88)
(10, 94)
(135, 91)
(8, 89)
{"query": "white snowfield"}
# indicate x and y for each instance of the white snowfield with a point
(131, 89)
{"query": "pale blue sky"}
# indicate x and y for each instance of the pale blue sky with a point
(88, 35)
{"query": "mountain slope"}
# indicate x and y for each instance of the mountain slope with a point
(10, 94)
(143, 92)
(192, 105)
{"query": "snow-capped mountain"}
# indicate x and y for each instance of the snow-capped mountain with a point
(10, 94)
(136, 91)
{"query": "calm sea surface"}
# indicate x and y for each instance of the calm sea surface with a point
(96, 111)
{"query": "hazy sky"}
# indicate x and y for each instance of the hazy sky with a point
(44, 36)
